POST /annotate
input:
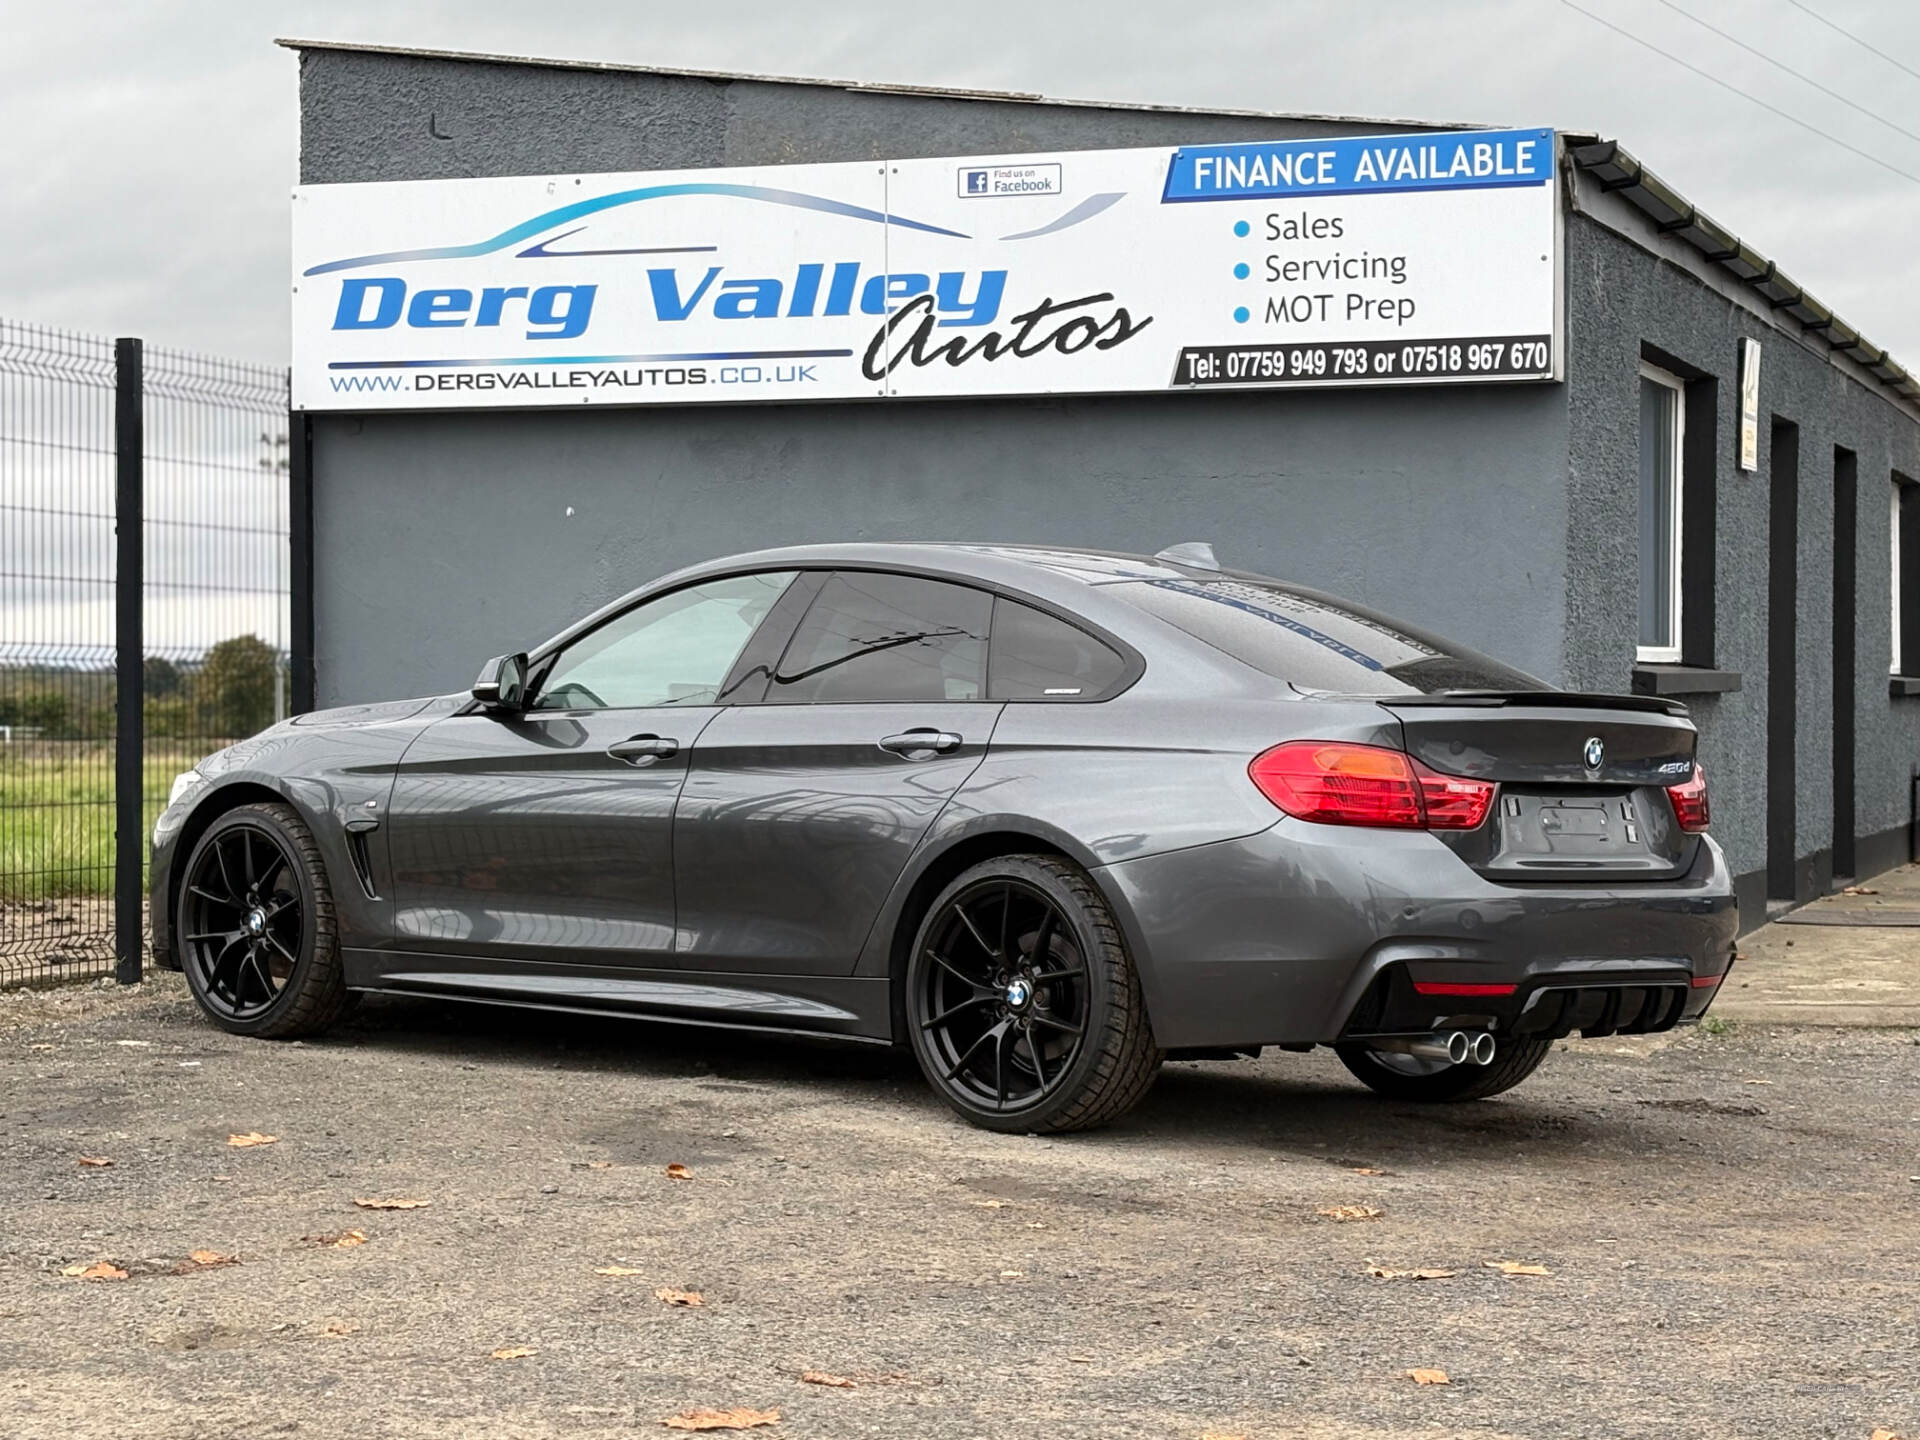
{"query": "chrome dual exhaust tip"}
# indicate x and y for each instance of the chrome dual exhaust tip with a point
(1455, 1047)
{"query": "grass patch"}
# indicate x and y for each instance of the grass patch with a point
(56, 813)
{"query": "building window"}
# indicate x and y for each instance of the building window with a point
(1903, 525)
(1662, 440)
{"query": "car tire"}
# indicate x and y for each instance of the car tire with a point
(987, 958)
(282, 977)
(1512, 1062)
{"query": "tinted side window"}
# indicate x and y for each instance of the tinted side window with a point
(886, 639)
(675, 650)
(1318, 643)
(1037, 656)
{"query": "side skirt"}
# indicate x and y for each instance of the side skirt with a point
(840, 1007)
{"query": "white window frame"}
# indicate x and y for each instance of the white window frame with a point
(1893, 528)
(1670, 654)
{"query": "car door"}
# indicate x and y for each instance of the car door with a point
(800, 810)
(547, 835)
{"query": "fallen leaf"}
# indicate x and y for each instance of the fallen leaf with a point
(667, 1295)
(721, 1419)
(340, 1327)
(391, 1204)
(135, 1044)
(1013, 1274)
(1884, 1434)
(338, 1239)
(1367, 1170)
(250, 1139)
(599, 1164)
(1514, 1267)
(615, 1270)
(989, 1204)
(95, 1162)
(1351, 1212)
(514, 1352)
(1079, 1359)
(677, 1171)
(1428, 1377)
(203, 1260)
(821, 1377)
(39, 1047)
(101, 1270)
(1222, 1435)
(1382, 1272)
(1859, 890)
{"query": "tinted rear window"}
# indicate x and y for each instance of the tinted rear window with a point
(1037, 656)
(1317, 643)
(886, 639)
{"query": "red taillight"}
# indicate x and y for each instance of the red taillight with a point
(1689, 799)
(1336, 783)
(1448, 987)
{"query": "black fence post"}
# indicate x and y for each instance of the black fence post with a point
(300, 562)
(129, 640)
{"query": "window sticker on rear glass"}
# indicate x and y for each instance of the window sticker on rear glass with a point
(1292, 612)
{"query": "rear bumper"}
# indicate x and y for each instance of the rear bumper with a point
(1282, 938)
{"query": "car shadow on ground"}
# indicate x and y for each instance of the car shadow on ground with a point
(1294, 1104)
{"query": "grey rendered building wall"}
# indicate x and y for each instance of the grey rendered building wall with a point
(440, 540)
(1623, 297)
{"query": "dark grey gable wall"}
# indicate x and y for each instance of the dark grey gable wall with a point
(1621, 298)
(443, 539)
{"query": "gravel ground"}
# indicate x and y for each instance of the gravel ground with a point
(1730, 1224)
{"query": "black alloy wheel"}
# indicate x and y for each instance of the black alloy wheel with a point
(1022, 1005)
(254, 925)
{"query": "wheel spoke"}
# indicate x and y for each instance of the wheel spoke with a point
(225, 900)
(1000, 1049)
(974, 930)
(234, 894)
(274, 941)
(954, 970)
(227, 953)
(948, 1014)
(1053, 1024)
(1045, 975)
(1039, 1065)
(226, 937)
(246, 854)
(1006, 921)
(968, 1053)
(1043, 937)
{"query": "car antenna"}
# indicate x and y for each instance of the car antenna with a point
(1196, 553)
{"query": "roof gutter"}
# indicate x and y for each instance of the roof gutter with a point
(1618, 172)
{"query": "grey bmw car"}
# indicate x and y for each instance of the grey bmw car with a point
(1047, 817)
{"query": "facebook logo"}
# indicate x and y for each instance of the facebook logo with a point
(976, 182)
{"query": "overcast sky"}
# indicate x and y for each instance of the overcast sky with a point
(146, 148)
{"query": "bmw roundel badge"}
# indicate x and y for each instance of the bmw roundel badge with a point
(1595, 753)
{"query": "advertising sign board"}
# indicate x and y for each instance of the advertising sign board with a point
(1379, 260)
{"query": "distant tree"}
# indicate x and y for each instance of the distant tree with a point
(234, 689)
(44, 710)
(159, 676)
(168, 717)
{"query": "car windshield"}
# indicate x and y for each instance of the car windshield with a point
(1317, 643)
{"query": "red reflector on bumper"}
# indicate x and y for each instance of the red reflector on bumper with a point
(1444, 987)
(1701, 982)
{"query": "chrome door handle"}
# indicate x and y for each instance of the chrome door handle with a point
(645, 749)
(922, 742)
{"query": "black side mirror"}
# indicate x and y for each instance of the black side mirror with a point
(502, 686)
